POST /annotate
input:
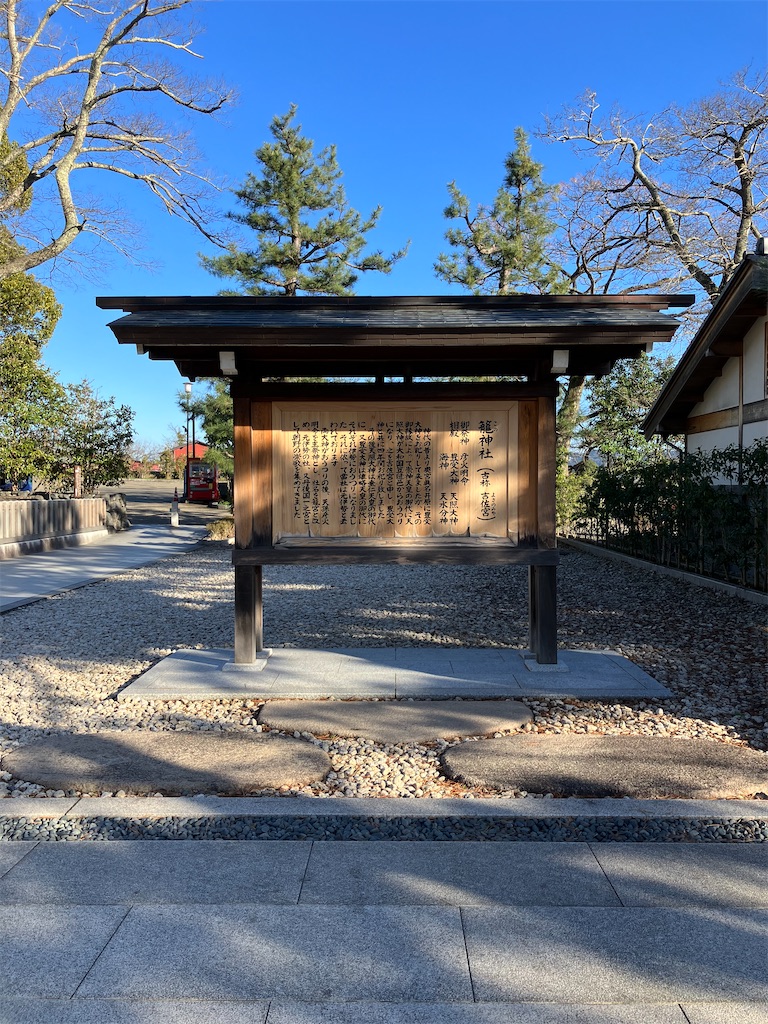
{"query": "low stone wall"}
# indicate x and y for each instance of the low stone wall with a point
(28, 525)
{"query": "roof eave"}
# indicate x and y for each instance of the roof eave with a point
(746, 292)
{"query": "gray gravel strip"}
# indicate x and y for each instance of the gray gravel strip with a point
(301, 818)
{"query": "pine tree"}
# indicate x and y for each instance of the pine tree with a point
(501, 249)
(308, 239)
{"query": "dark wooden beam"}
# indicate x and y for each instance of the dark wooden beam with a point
(429, 552)
(396, 392)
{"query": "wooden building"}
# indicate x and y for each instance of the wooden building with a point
(388, 458)
(718, 393)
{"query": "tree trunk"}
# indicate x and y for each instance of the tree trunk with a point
(568, 419)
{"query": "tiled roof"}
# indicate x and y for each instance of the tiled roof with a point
(412, 318)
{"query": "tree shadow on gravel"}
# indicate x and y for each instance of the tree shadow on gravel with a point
(79, 649)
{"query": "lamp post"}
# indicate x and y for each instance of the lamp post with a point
(188, 392)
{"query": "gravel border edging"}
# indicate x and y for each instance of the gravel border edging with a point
(527, 819)
(745, 593)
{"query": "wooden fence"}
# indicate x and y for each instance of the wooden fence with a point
(706, 514)
(28, 519)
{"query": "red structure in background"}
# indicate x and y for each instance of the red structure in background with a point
(196, 451)
(201, 481)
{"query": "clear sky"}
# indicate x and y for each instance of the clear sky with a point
(414, 93)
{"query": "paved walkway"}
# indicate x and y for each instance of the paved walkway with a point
(32, 577)
(382, 933)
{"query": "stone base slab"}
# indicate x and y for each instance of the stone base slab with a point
(392, 672)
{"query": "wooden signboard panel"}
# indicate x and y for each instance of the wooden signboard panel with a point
(451, 481)
(384, 470)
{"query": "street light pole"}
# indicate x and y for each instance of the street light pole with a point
(188, 391)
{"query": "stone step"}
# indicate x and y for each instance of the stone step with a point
(643, 767)
(394, 722)
(168, 762)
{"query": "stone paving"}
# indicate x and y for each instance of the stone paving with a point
(610, 766)
(170, 763)
(231, 764)
(365, 672)
(48, 573)
(396, 721)
(382, 933)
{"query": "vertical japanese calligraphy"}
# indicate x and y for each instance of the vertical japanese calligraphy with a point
(389, 471)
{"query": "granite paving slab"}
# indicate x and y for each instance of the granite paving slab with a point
(382, 954)
(557, 954)
(471, 1013)
(124, 1011)
(455, 874)
(642, 767)
(396, 721)
(47, 951)
(130, 1011)
(51, 807)
(726, 1013)
(686, 875)
(158, 872)
(415, 684)
(389, 672)
(168, 762)
(11, 853)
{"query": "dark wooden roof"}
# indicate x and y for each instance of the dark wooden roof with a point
(393, 335)
(720, 337)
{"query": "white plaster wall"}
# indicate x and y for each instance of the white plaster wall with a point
(754, 361)
(754, 431)
(709, 439)
(723, 392)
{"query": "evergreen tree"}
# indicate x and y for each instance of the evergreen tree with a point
(619, 402)
(98, 438)
(501, 249)
(308, 239)
(33, 411)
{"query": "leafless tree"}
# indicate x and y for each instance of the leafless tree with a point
(89, 87)
(668, 200)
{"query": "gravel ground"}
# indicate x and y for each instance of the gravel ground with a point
(65, 658)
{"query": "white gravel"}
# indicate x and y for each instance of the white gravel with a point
(65, 658)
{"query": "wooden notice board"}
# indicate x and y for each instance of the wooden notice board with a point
(385, 470)
(449, 479)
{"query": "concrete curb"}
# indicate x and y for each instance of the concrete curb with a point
(377, 808)
(390, 820)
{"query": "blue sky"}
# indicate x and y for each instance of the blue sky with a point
(414, 93)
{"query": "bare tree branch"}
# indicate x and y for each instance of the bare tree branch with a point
(68, 99)
(668, 200)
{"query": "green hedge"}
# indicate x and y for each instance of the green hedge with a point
(706, 513)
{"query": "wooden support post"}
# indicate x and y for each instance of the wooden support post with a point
(542, 607)
(247, 593)
(533, 607)
(249, 637)
(546, 460)
(253, 518)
